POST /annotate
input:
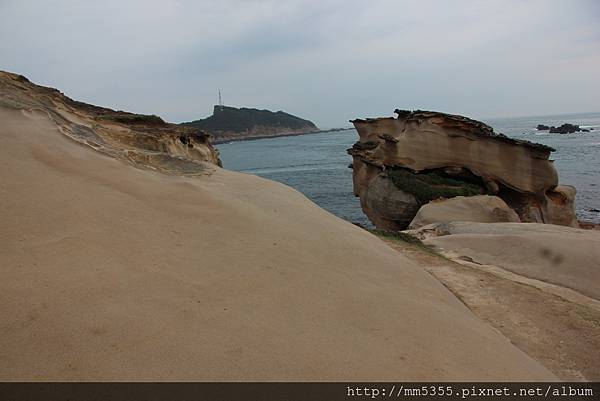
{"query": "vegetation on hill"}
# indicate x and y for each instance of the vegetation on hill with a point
(232, 119)
(131, 118)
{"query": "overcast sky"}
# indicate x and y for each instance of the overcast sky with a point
(328, 61)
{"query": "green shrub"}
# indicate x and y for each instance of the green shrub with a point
(431, 185)
(127, 118)
(398, 236)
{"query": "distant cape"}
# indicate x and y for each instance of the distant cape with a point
(231, 123)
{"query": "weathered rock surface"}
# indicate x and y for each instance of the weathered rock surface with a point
(110, 272)
(564, 256)
(145, 141)
(481, 208)
(559, 207)
(436, 155)
(388, 207)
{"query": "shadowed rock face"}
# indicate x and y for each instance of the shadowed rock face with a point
(142, 140)
(457, 150)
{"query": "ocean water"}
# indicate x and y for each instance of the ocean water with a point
(317, 164)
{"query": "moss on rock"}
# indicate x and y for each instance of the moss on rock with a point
(431, 185)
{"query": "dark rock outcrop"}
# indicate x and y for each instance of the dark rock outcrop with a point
(423, 155)
(565, 129)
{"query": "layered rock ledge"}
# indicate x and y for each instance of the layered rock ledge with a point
(144, 141)
(400, 164)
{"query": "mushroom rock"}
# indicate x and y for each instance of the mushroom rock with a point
(434, 155)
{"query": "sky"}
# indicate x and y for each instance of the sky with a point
(327, 61)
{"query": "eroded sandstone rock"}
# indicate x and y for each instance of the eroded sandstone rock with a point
(436, 155)
(481, 208)
(388, 207)
(145, 141)
(559, 207)
(565, 256)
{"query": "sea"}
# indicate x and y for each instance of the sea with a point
(318, 166)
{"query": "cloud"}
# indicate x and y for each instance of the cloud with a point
(324, 60)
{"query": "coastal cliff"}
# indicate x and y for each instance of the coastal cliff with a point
(400, 164)
(143, 140)
(230, 124)
(127, 255)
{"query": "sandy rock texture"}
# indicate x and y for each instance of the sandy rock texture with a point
(480, 208)
(435, 155)
(566, 256)
(561, 331)
(143, 140)
(115, 272)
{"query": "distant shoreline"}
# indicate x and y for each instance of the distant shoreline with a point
(255, 137)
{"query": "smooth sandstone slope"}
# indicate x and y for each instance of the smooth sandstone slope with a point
(565, 256)
(110, 272)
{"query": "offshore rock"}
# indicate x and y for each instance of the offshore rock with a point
(434, 155)
(565, 129)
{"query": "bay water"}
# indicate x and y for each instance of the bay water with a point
(317, 164)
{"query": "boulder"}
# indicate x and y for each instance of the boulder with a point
(388, 207)
(542, 127)
(433, 155)
(481, 208)
(559, 207)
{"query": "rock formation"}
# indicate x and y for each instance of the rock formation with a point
(423, 155)
(563, 129)
(565, 256)
(480, 208)
(231, 123)
(117, 273)
(144, 141)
